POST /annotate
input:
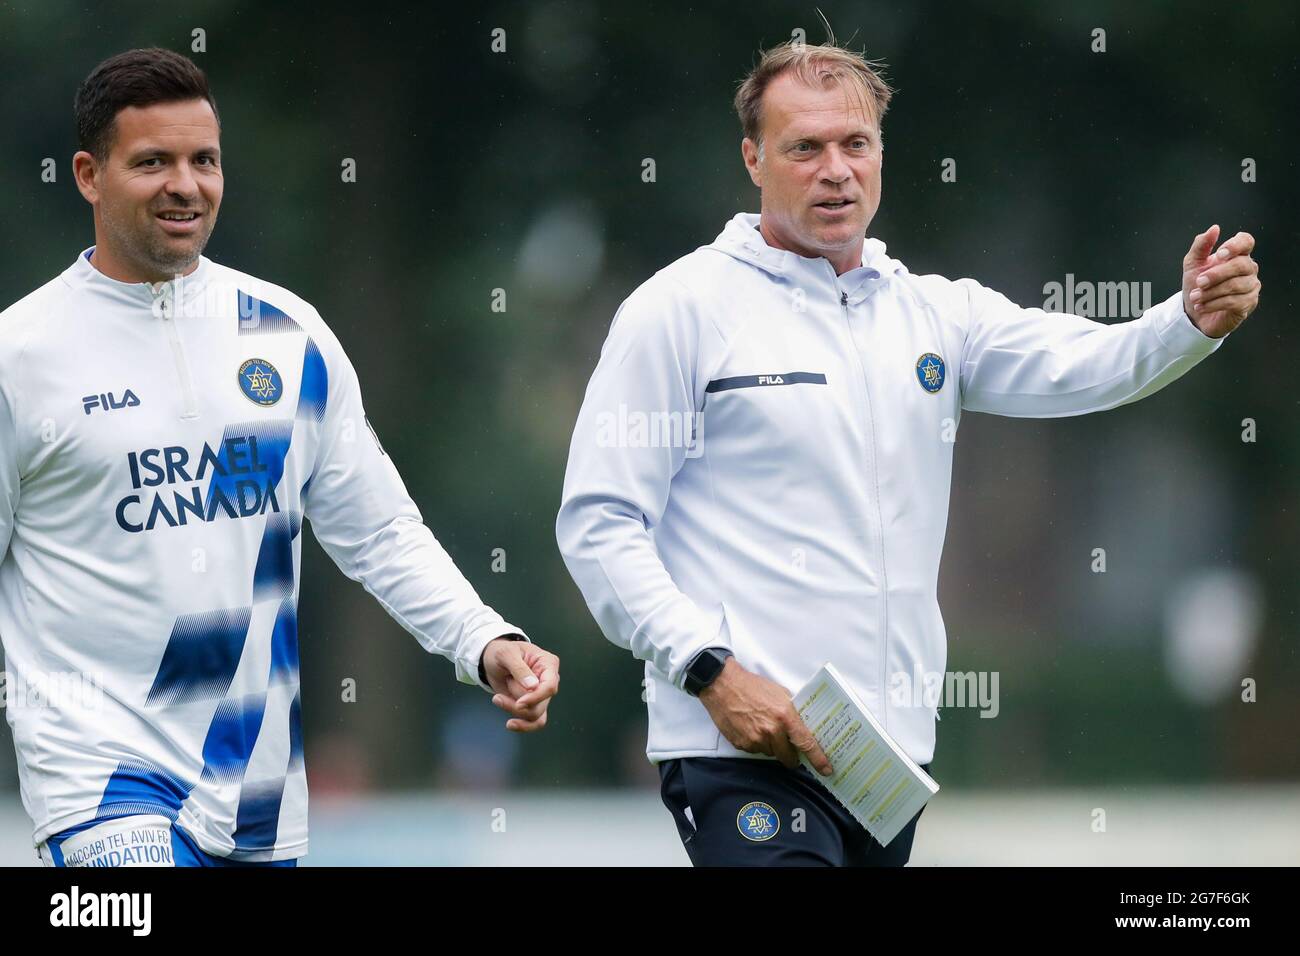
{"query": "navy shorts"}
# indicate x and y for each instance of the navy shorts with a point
(798, 823)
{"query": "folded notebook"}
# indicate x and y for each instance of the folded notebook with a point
(873, 778)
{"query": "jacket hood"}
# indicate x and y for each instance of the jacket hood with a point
(741, 240)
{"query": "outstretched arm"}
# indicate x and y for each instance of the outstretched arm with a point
(1034, 364)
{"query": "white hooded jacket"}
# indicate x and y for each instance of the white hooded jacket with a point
(763, 457)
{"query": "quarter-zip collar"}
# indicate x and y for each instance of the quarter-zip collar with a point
(82, 275)
(157, 301)
(741, 239)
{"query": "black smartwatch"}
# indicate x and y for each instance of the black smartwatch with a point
(704, 670)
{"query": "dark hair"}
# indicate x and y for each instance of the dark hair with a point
(134, 78)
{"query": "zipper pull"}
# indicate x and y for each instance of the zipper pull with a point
(844, 299)
(162, 299)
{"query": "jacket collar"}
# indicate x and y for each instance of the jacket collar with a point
(82, 275)
(742, 240)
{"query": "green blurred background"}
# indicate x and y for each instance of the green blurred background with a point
(522, 171)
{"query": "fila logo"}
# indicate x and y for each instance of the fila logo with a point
(108, 402)
(771, 380)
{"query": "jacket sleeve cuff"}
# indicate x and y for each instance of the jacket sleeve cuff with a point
(719, 636)
(467, 662)
(1178, 332)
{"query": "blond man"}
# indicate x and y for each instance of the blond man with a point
(799, 516)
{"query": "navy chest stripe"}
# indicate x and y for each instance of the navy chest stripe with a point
(774, 378)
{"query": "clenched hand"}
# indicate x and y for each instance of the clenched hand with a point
(523, 678)
(1220, 289)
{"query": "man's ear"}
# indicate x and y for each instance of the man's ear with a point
(749, 152)
(84, 169)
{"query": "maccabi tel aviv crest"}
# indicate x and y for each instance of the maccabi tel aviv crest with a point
(259, 380)
(930, 372)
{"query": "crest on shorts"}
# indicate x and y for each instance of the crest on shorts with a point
(758, 822)
(930, 372)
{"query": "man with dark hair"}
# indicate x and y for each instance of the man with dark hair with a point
(134, 78)
(166, 425)
(804, 524)
(109, 106)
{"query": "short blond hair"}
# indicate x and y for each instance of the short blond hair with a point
(816, 66)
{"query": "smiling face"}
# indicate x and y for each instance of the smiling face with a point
(157, 192)
(818, 170)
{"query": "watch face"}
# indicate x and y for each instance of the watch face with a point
(710, 664)
(704, 669)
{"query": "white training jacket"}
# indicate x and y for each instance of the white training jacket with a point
(804, 520)
(159, 449)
